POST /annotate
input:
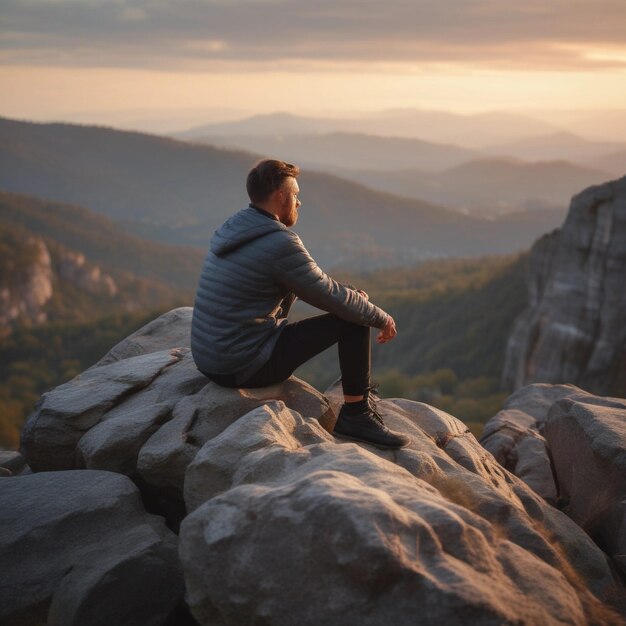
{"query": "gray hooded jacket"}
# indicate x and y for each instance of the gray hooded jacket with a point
(252, 274)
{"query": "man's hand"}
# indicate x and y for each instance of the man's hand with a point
(388, 332)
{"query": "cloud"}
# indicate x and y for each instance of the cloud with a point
(197, 34)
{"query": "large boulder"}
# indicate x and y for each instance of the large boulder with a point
(77, 548)
(170, 330)
(573, 330)
(570, 447)
(12, 462)
(145, 410)
(587, 439)
(288, 525)
(515, 435)
(65, 414)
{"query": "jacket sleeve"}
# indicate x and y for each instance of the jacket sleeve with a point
(295, 269)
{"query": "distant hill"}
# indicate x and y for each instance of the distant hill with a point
(350, 151)
(490, 186)
(177, 192)
(103, 242)
(614, 163)
(124, 175)
(61, 263)
(470, 131)
(560, 145)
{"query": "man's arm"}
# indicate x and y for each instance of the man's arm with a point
(295, 269)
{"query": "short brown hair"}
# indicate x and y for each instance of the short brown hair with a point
(267, 176)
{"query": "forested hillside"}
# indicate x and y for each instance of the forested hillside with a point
(35, 359)
(102, 241)
(453, 319)
(178, 192)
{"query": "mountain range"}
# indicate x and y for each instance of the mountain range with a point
(488, 186)
(177, 192)
(470, 131)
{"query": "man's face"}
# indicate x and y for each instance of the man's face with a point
(289, 201)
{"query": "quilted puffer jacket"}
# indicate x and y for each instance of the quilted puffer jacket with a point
(254, 270)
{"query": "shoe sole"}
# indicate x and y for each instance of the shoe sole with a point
(371, 443)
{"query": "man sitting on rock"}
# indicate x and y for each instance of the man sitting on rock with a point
(255, 269)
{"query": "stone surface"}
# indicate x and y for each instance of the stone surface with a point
(77, 548)
(146, 412)
(199, 418)
(64, 414)
(170, 330)
(515, 435)
(310, 530)
(573, 329)
(587, 438)
(289, 525)
(12, 461)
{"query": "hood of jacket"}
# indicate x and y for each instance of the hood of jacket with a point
(242, 227)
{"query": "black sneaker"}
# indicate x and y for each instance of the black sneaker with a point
(368, 426)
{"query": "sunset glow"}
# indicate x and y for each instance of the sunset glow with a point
(101, 61)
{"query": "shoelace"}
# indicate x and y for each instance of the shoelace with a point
(370, 391)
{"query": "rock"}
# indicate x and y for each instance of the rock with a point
(199, 418)
(170, 330)
(77, 548)
(515, 435)
(587, 438)
(308, 530)
(12, 461)
(24, 295)
(573, 330)
(114, 443)
(219, 461)
(73, 267)
(63, 415)
(288, 524)
(147, 415)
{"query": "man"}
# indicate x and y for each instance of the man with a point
(255, 268)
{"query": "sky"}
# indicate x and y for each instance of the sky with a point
(115, 59)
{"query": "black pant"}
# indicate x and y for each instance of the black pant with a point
(300, 341)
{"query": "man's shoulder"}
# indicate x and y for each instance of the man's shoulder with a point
(284, 240)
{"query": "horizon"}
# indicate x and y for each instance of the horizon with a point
(608, 125)
(115, 63)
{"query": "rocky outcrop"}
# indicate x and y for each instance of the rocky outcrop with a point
(77, 548)
(73, 267)
(172, 329)
(145, 411)
(282, 523)
(570, 447)
(573, 330)
(315, 531)
(24, 295)
(516, 435)
(12, 462)
(587, 439)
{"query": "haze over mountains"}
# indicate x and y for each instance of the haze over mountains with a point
(537, 166)
(177, 192)
(476, 131)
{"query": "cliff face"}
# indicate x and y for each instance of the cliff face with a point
(23, 295)
(73, 267)
(573, 330)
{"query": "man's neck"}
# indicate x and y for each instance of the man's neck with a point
(264, 211)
